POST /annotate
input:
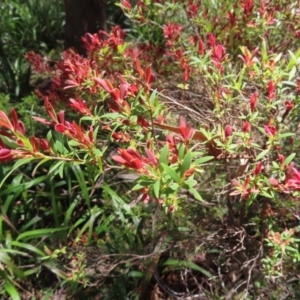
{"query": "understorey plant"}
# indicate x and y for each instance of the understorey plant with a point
(204, 120)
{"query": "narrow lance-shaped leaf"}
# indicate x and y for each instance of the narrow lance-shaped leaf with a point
(186, 164)
(171, 173)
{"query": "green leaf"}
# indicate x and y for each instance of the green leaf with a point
(56, 271)
(163, 158)
(104, 227)
(186, 164)
(55, 167)
(16, 252)
(51, 141)
(9, 143)
(264, 52)
(95, 132)
(195, 193)
(135, 274)
(38, 165)
(287, 247)
(288, 160)
(292, 73)
(202, 160)
(32, 271)
(73, 143)
(61, 169)
(87, 118)
(284, 135)
(190, 182)
(6, 260)
(70, 211)
(153, 97)
(30, 223)
(28, 247)
(181, 151)
(9, 287)
(17, 165)
(185, 264)
(292, 61)
(156, 188)
(142, 184)
(55, 212)
(238, 84)
(111, 116)
(262, 154)
(174, 187)
(171, 173)
(82, 183)
(120, 202)
(40, 233)
(89, 225)
(267, 195)
(60, 147)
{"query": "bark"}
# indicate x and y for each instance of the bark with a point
(83, 16)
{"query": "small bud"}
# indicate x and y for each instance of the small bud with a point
(228, 131)
(246, 127)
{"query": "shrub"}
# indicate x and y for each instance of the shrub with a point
(177, 156)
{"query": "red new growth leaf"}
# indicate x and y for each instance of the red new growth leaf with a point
(50, 111)
(14, 125)
(248, 58)
(124, 87)
(15, 120)
(246, 127)
(34, 143)
(121, 137)
(145, 196)
(105, 84)
(151, 156)
(293, 179)
(61, 117)
(172, 31)
(142, 122)
(253, 101)
(44, 121)
(172, 208)
(44, 144)
(228, 131)
(273, 181)
(281, 158)
(80, 106)
(60, 128)
(211, 40)
(289, 105)
(270, 130)
(6, 155)
(5, 122)
(218, 53)
(129, 158)
(271, 90)
(186, 132)
(126, 4)
(258, 169)
(247, 6)
(243, 189)
(200, 47)
(149, 77)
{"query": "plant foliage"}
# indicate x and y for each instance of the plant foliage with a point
(170, 167)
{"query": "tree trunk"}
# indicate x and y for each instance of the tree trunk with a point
(83, 16)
